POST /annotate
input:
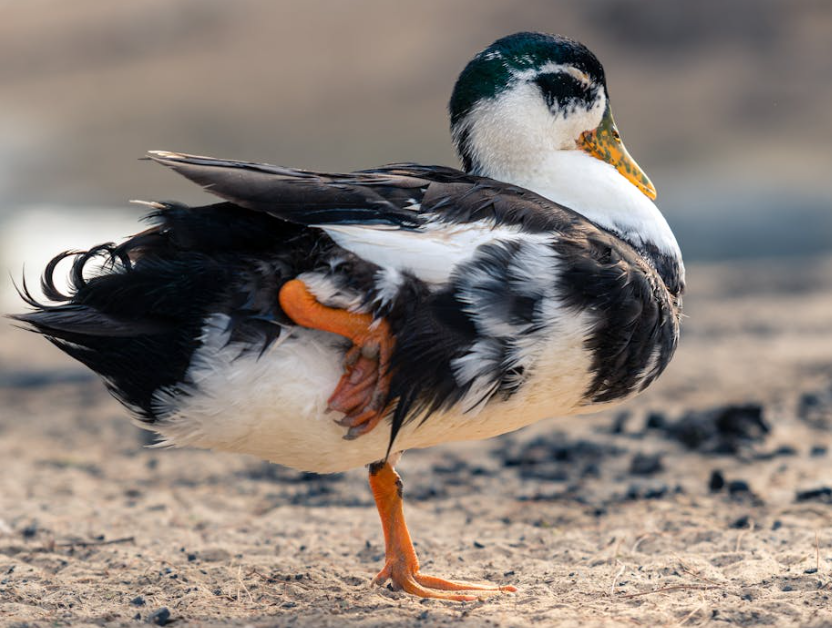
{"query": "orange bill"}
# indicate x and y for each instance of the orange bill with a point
(605, 144)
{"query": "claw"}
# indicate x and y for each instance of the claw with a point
(361, 394)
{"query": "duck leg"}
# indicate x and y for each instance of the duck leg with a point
(361, 395)
(402, 565)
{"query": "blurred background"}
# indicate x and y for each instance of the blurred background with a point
(725, 105)
(723, 464)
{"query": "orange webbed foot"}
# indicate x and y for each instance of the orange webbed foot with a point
(361, 394)
(406, 578)
(402, 565)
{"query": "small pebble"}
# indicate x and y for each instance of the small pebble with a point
(738, 486)
(159, 617)
(644, 464)
(822, 494)
(717, 481)
(619, 423)
(655, 421)
(138, 601)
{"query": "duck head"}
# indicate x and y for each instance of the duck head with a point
(530, 94)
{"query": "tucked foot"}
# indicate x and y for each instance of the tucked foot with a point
(402, 565)
(361, 394)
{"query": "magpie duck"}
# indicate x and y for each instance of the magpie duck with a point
(326, 321)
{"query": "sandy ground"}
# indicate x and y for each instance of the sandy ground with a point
(614, 520)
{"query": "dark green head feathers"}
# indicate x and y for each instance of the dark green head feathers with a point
(516, 57)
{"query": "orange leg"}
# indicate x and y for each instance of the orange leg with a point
(402, 565)
(361, 395)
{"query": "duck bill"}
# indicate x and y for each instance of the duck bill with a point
(605, 143)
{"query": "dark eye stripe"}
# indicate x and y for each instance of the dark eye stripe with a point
(563, 89)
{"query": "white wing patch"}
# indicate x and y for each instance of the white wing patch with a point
(431, 253)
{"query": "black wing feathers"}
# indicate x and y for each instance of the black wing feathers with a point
(398, 195)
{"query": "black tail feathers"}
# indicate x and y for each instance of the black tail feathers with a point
(132, 314)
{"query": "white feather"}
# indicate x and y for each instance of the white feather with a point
(388, 282)
(329, 293)
(430, 253)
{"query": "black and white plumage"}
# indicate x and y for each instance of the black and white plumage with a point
(543, 284)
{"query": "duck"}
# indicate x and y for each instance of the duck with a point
(329, 321)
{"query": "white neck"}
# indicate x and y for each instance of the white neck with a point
(537, 151)
(596, 190)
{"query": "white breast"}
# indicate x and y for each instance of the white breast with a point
(596, 190)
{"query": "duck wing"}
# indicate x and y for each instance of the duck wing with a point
(423, 219)
(398, 195)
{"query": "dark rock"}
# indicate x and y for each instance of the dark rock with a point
(644, 464)
(738, 486)
(807, 402)
(592, 470)
(816, 408)
(655, 421)
(30, 531)
(159, 617)
(717, 481)
(776, 525)
(741, 523)
(822, 494)
(619, 423)
(554, 457)
(138, 601)
(657, 491)
(818, 451)
(783, 450)
(740, 491)
(720, 430)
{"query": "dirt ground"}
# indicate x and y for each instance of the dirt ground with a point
(707, 501)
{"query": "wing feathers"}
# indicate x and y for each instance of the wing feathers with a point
(294, 195)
